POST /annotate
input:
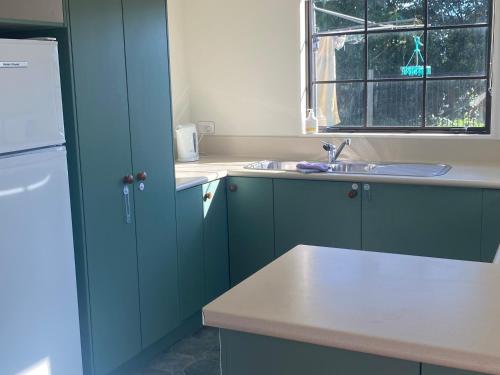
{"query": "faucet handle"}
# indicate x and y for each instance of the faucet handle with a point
(348, 141)
(328, 146)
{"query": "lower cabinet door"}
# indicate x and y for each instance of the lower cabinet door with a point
(321, 213)
(248, 354)
(429, 221)
(437, 370)
(190, 250)
(491, 225)
(251, 225)
(215, 239)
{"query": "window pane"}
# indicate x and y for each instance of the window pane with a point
(395, 104)
(454, 12)
(334, 15)
(456, 103)
(340, 104)
(340, 57)
(390, 14)
(458, 51)
(395, 55)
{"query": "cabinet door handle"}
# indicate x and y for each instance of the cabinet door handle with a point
(353, 193)
(128, 179)
(207, 196)
(141, 176)
(126, 201)
(232, 188)
(368, 191)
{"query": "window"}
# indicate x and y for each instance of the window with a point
(400, 65)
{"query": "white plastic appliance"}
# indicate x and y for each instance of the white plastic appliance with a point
(187, 143)
(39, 327)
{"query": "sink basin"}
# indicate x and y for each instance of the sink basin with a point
(382, 169)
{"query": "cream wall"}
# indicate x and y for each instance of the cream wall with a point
(244, 65)
(243, 68)
(181, 96)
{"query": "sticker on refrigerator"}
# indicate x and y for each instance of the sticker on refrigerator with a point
(13, 64)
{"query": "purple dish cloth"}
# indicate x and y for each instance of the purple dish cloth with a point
(306, 167)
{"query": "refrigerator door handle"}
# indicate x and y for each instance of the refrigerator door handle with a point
(126, 198)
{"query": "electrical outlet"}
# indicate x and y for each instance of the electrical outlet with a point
(206, 127)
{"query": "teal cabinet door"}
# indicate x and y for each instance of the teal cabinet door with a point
(152, 153)
(251, 225)
(104, 151)
(429, 221)
(190, 250)
(317, 213)
(248, 354)
(215, 239)
(491, 225)
(437, 370)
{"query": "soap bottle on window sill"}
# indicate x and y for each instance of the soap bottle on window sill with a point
(311, 122)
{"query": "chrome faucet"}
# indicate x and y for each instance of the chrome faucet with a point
(334, 151)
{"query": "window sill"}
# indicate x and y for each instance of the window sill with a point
(439, 136)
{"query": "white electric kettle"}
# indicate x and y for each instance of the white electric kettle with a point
(187, 143)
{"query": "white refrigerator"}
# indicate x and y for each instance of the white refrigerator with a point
(39, 327)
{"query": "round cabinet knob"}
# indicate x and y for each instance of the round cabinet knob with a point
(232, 188)
(129, 179)
(353, 193)
(207, 196)
(141, 176)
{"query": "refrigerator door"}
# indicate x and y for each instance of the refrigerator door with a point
(31, 114)
(39, 327)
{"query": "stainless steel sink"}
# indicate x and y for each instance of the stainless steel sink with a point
(382, 169)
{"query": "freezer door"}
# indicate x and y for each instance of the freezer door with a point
(31, 112)
(39, 328)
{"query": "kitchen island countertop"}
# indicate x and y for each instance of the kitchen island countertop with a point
(436, 311)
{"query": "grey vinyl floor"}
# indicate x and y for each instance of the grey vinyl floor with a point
(195, 355)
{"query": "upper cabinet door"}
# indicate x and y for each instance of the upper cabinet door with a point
(104, 145)
(32, 11)
(321, 213)
(429, 221)
(152, 156)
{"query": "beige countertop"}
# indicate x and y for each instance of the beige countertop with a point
(436, 311)
(211, 168)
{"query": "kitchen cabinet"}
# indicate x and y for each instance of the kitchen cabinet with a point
(251, 225)
(146, 53)
(491, 225)
(202, 245)
(190, 250)
(321, 213)
(215, 239)
(127, 268)
(249, 354)
(32, 12)
(422, 220)
(104, 148)
(444, 222)
(437, 370)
